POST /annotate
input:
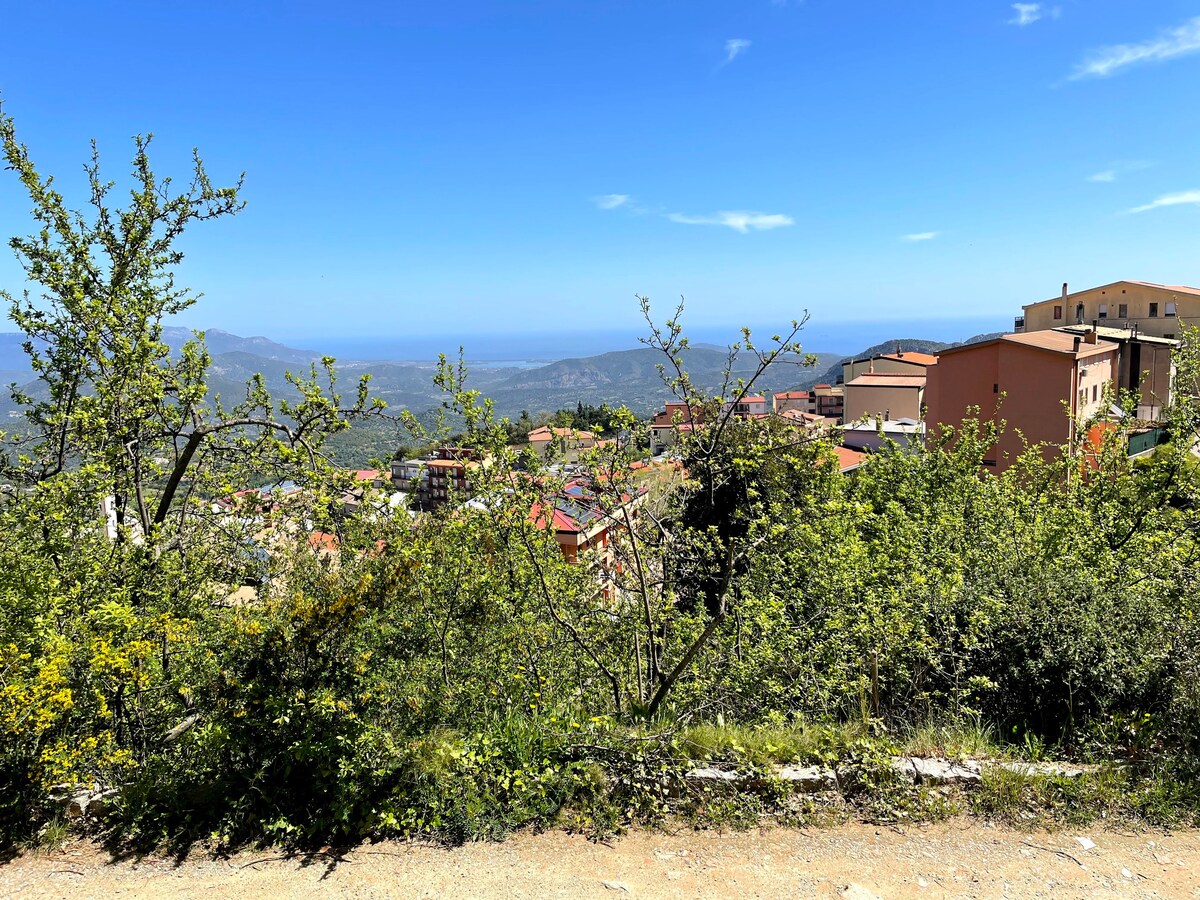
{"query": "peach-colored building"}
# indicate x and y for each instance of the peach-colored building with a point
(546, 441)
(1152, 309)
(1030, 381)
(793, 401)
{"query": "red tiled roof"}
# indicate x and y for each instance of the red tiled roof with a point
(1179, 288)
(802, 416)
(322, 540)
(545, 433)
(682, 426)
(686, 416)
(1060, 342)
(1051, 341)
(921, 359)
(792, 395)
(847, 458)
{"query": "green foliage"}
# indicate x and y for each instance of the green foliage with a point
(766, 744)
(1165, 795)
(283, 669)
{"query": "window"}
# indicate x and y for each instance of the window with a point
(1095, 392)
(1171, 308)
(1154, 310)
(1082, 396)
(1103, 310)
(995, 388)
(1170, 336)
(1058, 312)
(1122, 310)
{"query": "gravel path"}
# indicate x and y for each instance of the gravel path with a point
(957, 859)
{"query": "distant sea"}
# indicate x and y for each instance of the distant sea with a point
(530, 349)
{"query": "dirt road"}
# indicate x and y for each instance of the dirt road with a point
(956, 859)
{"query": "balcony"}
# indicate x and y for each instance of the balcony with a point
(1019, 325)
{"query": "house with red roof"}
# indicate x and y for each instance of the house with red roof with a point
(666, 426)
(752, 406)
(899, 362)
(848, 459)
(586, 523)
(793, 401)
(548, 441)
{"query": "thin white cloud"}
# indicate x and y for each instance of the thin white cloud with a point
(739, 220)
(735, 47)
(1118, 169)
(1026, 13)
(611, 201)
(921, 236)
(1182, 198)
(1170, 44)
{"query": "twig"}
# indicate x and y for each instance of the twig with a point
(1073, 859)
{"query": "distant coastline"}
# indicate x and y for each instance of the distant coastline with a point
(537, 348)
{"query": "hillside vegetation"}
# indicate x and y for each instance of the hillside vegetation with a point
(298, 669)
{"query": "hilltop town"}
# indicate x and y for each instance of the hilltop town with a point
(1077, 370)
(1070, 361)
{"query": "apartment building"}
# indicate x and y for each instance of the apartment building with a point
(437, 478)
(831, 401)
(578, 520)
(1145, 366)
(1156, 310)
(586, 527)
(1030, 381)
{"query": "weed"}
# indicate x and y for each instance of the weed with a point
(53, 834)
(764, 745)
(971, 740)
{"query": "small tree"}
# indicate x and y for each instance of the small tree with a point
(109, 391)
(102, 618)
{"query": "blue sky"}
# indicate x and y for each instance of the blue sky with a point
(465, 167)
